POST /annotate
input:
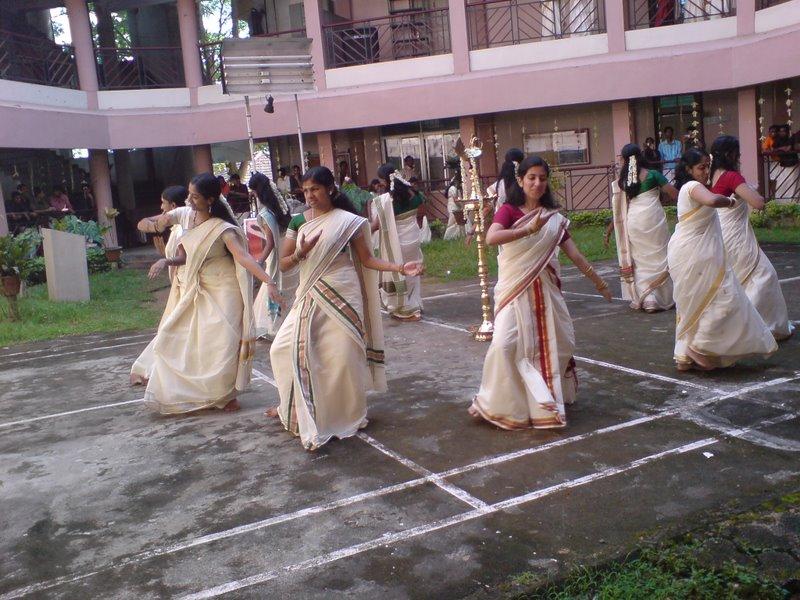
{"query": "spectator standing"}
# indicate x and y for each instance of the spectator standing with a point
(670, 150)
(787, 173)
(652, 157)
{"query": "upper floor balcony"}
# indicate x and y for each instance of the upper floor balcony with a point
(36, 60)
(643, 14)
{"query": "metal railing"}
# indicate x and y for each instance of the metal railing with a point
(37, 60)
(782, 181)
(407, 35)
(643, 14)
(137, 68)
(583, 188)
(210, 54)
(492, 23)
(767, 3)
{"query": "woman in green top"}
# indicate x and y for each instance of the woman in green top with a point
(641, 232)
(397, 215)
(329, 351)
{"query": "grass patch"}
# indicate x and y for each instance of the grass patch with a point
(452, 260)
(664, 573)
(121, 299)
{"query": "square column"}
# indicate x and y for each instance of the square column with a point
(745, 17)
(190, 50)
(327, 157)
(314, 31)
(203, 161)
(622, 129)
(85, 63)
(615, 25)
(100, 177)
(748, 134)
(459, 38)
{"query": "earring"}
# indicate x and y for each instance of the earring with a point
(519, 181)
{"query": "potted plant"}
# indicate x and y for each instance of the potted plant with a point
(113, 253)
(14, 258)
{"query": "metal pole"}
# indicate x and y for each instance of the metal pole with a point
(303, 160)
(249, 118)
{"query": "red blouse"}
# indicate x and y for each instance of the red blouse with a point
(508, 214)
(727, 183)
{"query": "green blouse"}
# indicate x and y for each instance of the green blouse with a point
(654, 179)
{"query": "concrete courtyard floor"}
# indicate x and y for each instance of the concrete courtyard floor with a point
(101, 499)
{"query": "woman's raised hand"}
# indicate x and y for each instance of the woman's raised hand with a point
(540, 219)
(307, 244)
(412, 269)
(157, 267)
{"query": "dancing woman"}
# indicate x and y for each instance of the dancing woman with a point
(273, 219)
(329, 350)
(750, 265)
(716, 323)
(529, 371)
(640, 228)
(202, 353)
(398, 214)
(172, 199)
(456, 223)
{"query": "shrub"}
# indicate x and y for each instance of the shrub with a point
(437, 228)
(35, 272)
(588, 218)
(96, 260)
(88, 229)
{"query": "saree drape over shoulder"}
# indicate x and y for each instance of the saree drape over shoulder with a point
(399, 243)
(753, 269)
(329, 351)
(715, 319)
(641, 232)
(529, 371)
(202, 354)
(267, 315)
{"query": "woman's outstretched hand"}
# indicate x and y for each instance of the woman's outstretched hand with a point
(156, 268)
(307, 244)
(412, 269)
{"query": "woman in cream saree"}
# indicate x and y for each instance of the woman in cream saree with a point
(750, 265)
(397, 213)
(203, 350)
(529, 371)
(329, 351)
(716, 324)
(640, 228)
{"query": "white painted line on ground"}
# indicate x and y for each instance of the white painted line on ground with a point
(444, 325)
(608, 365)
(57, 352)
(448, 294)
(451, 489)
(400, 536)
(788, 279)
(498, 459)
(592, 295)
(69, 412)
(760, 438)
(263, 377)
(598, 315)
(70, 353)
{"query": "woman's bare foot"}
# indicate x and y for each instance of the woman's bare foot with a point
(272, 412)
(232, 406)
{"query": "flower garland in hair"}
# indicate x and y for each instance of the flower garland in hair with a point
(516, 167)
(279, 196)
(633, 171)
(395, 176)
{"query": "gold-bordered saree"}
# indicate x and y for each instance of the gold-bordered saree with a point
(202, 355)
(329, 351)
(529, 371)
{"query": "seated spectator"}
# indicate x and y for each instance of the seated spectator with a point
(39, 202)
(60, 201)
(237, 191)
(18, 211)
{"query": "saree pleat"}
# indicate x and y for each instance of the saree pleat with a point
(715, 319)
(329, 351)
(642, 235)
(203, 350)
(753, 269)
(529, 370)
(399, 243)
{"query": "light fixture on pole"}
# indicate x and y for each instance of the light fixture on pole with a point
(270, 66)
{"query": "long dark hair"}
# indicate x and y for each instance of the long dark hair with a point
(323, 176)
(175, 194)
(208, 186)
(515, 196)
(628, 152)
(691, 158)
(508, 172)
(261, 185)
(456, 180)
(401, 194)
(725, 154)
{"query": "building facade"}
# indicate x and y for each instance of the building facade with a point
(138, 86)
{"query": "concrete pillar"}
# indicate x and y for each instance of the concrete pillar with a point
(190, 51)
(203, 161)
(615, 25)
(3, 218)
(327, 157)
(81, 31)
(622, 131)
(748, 134)
(122, 168)
(459, 38)
(314, 31)
(745, 17)
(467, 127)
(100, 177)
